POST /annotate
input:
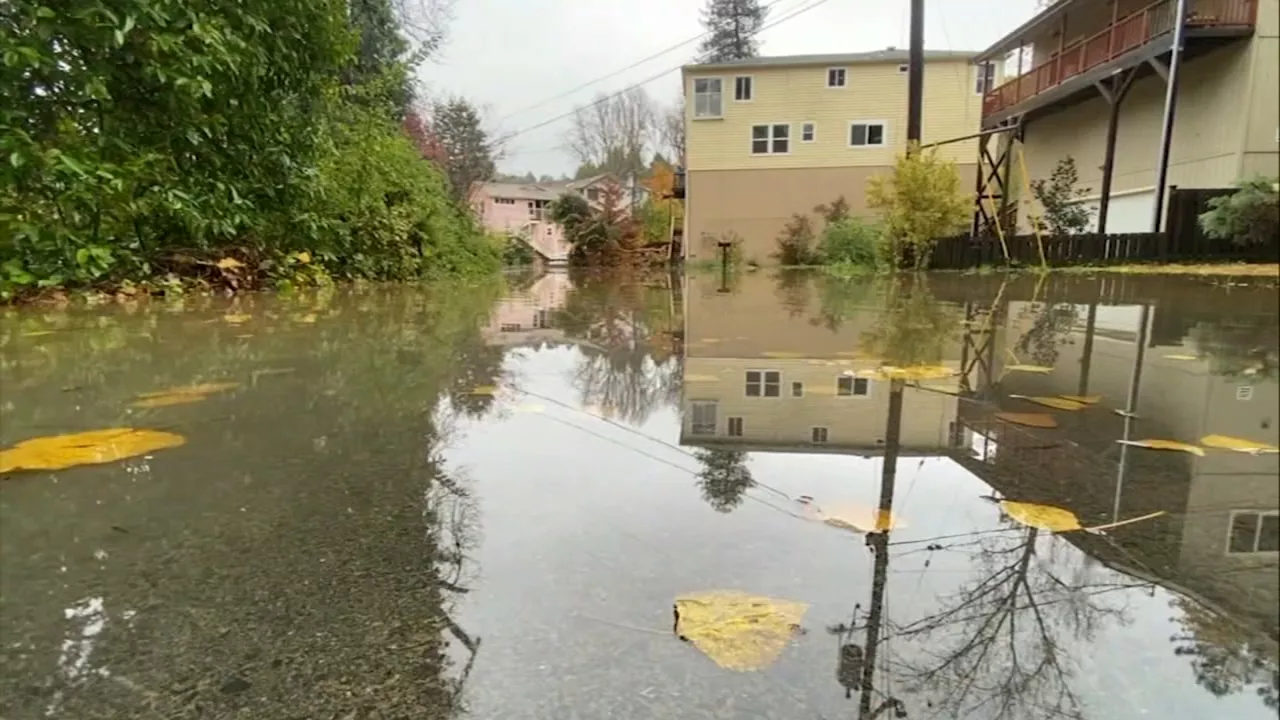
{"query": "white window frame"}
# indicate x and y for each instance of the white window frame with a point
(1257, 534)
(853, 394)
(844, 77)
(751, 88)
(763, 384)
(695, 93)
(884, 133)
(751, 149)
(826, 435)
(985, 80)
(812, 126)
(694, 427)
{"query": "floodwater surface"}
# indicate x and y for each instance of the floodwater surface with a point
(767, 495)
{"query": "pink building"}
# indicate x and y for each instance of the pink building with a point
(525, 318)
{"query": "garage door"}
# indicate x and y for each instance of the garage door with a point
(1129, 213)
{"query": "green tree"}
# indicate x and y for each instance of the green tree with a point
(919, 202)
(723, 478)
(1059, 196)
(468, 150)
(1248, 216)
(732, 26)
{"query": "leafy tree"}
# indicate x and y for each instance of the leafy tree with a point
(850, 241)
(381, 57)
(796, 241)
(732, 26)
(1248, 216)
(724, 478)
(834, 211)
(1060, 197)
(918, 203)
(468, 150)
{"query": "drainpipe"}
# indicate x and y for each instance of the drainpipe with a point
(1170, 104)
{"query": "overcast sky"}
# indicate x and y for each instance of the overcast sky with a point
(512, 57)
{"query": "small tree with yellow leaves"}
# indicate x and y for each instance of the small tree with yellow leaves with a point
(918, 203)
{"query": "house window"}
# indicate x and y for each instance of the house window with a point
(797, 389)
(866, 134)
(836, 77)
(986, 78)
(593, 194)
(707, 100)
(504, 201)
(1244, 393)
(1254, 531)
(704, 418)
(808, 132)
(742, 88)
(763, 383)
(510, 327)
(735, 427)
(904, 69)
(847, 386)
(819, 435)
(771, 139)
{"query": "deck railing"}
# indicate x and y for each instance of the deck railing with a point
(1118, 38)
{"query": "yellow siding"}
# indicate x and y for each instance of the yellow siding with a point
(1262, 133)
(796, 95)
(1207, 139)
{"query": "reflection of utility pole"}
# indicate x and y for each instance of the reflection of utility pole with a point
(1086, 354)
(878, 541)
(725, 247)
(1131, 405)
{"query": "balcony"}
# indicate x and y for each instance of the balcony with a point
(1128, 41)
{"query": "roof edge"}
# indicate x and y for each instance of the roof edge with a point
(1012, 40)
(875, 57)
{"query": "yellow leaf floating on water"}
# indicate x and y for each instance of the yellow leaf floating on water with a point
(1029, 368)
(1180, 357)
(914, 372)
(738, 631)
(1054, 402)
(57, 452)
(1085, 399)
(782, 354)
(859, 518)
(1044, 517)
(236, 318)
(181, 395)
(1157, 444)
(484, 390)
(37, 333)
(1226, 442)
(1035, 420)
(167, 400)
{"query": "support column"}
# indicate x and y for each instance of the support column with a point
(1114, 93)
(1170, 106)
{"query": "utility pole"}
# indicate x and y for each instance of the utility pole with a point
(1170, 105)
(915, 73)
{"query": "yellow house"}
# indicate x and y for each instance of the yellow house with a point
(770, 137)
(1082, 59)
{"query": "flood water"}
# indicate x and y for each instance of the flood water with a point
(484, 502)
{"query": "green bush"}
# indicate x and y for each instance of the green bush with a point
(796, 242)
(516, 252)
(850, 241)
(1249, 216)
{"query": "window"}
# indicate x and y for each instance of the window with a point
(550, 231)
(538, 209)
(742, 88)
(904, 69)
(808, 132)
(849, 386)
(593, 194)
(510, 327)
(986, 78)
(704, 418)
(707, 101)
(819, 435)
(735, 427)
(504, 201)
(797, 389)
(763, 383)
(771, 139)
(866, 134)
(1244, 393)
(836, 77)
(1254, 531)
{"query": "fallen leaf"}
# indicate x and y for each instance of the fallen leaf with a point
(244, 336)
(1156, 444)
(236, 319)
(1180, 357)
(229, 263)
(859, 518)
(1035, 420)
(303, 257)
(738, 631)
(782, 354)
(915, 372)
(199, 389)
(167, 400)
(37, 333)
(87, 448)
(1029, 368)
(1226, 442)
(1085, 399)
(1044, 517)
(1054, 402)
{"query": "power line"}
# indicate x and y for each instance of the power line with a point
(618, 72)
(606, 98)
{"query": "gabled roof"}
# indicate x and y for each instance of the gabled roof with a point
(888, 55)
(524, 191)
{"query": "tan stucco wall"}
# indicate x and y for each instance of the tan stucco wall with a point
(756, 204)
(1208, 138)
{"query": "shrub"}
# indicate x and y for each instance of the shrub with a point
(919, 202)
(795, 242)
(1248, 216)
(515, 251)
(833, 212)
(1059, 197)
(850, 241)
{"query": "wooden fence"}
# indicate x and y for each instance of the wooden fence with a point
(1183, 241)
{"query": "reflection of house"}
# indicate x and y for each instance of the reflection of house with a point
(523, 210)
(525, 317)
(759, 377)
(1078, 58)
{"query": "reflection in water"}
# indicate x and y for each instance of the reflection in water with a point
(723, 478)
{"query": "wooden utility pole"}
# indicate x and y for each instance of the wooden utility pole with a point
(915, 73)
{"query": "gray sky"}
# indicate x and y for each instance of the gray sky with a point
(508, 55)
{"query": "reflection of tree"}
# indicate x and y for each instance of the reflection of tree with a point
(627, 385)
(479, 364)
(1051, 328)
(793, 290)
(1223, 660)
(1240, 346)
(839, 298)
(912, 327)
(723, 478)
(996, 647)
